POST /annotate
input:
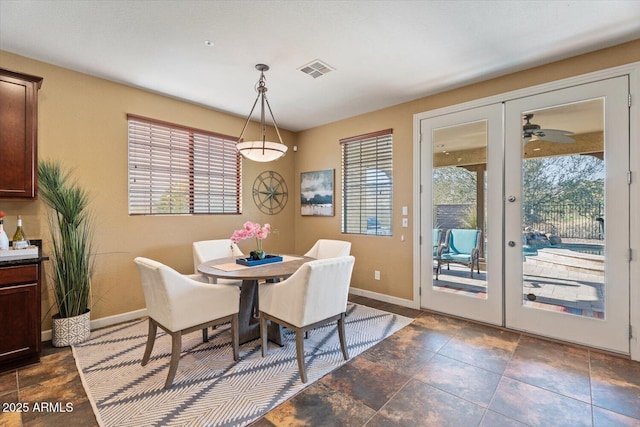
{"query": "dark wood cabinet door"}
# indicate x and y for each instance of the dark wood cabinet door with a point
(18, 134)
(16, 337)
(20, 339)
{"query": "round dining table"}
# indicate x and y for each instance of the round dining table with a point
(252, 277)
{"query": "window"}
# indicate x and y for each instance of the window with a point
(177, 170)
(367, 203)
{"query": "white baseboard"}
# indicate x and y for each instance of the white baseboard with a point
(137, 314)
(382, 297)
(106, 321)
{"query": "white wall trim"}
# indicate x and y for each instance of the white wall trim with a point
(106, 321)
(417, 218)
(633, 70)
(382, 297)
(634, 206)
(528, 91)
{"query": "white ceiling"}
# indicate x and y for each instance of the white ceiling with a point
(384, 52)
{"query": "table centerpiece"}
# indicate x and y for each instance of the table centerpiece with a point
(259, 232)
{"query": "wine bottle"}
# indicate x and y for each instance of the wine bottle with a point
(4, 240)
(19, 241)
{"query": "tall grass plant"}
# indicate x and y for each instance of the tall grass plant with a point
(71, 233)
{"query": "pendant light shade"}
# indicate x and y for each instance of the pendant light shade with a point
(261, 150)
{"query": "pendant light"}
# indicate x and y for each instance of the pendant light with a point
(261, 150)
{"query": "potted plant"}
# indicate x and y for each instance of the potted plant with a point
(249, 230)
(71, 233)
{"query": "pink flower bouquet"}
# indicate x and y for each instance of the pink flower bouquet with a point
(249, 230)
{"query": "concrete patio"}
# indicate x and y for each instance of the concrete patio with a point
(547, 287)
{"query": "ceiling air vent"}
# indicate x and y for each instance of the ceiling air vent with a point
(316, 69)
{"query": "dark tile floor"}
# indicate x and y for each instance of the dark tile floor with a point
(438, 371)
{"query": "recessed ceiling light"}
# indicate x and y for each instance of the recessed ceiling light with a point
(208, 43)
(439, 145)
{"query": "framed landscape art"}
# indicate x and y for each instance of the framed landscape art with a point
(316, 193)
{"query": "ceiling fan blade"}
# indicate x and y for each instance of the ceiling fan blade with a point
(554, 135)
(558, 131)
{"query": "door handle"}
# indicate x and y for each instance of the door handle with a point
(511, 243)
(511, 199)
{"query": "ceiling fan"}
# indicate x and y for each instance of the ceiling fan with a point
(532, 130)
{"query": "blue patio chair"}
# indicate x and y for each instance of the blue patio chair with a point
(460, 247)
(437, 247)
(373, 223)
(437, 239)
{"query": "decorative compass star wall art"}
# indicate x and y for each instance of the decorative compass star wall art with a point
(270, 192)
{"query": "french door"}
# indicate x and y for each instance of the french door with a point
(544, 179)
(567, 214)
(461, 178)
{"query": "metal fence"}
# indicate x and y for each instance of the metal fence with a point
(571, 220)
(575, 221)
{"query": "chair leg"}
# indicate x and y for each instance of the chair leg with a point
(300, 354)
(235, 337)
(341, 334)
(176, 348)
(205, 335)
(263, 334)
(151, 339)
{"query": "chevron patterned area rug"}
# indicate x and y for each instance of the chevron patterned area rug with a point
(210, 389)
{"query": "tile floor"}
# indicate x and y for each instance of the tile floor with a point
(438, 371)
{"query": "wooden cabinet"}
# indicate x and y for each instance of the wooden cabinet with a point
(18, 134)
(20, 332)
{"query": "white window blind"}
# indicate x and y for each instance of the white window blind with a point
(178, 170)
(367, 183)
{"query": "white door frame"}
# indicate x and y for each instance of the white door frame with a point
(633, 71)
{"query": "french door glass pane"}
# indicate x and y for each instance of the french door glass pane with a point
(459, 209)
(563, 223)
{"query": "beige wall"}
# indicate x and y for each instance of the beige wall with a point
(318, 148)
(82, 121)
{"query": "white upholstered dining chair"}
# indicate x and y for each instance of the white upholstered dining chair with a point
(325, 248)
(314, 295)
(180, 305)
(206, 250)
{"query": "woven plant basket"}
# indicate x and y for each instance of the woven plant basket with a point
(68, 331)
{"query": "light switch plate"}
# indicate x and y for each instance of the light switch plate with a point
(405, 210)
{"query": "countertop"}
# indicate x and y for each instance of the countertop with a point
(26, 261)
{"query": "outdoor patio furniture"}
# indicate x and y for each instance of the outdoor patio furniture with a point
(437, 239)
(461, 246)
(437, 245)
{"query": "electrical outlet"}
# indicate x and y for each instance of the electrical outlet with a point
(376, 275)
(405, 222)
